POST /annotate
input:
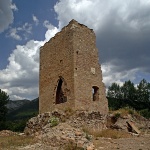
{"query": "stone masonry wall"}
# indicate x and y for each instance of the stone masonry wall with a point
(70, 60)
(56, 60)
(87, 72)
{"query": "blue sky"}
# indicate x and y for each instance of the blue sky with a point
(122, 30)
(24, 12)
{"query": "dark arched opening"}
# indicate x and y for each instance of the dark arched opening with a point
(95, 92)
(60, 95)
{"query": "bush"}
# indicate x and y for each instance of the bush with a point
(131, 111)
(16, 126)
(54, 121)
(124, 111)
(2, 125)
(117, 115)
(145, 113)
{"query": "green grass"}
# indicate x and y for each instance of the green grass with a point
(26, 114)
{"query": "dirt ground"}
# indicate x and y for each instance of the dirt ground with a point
(141, 142)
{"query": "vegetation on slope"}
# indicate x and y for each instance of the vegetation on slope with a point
(127, 95)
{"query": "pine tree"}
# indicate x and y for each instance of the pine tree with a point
(4, 98)
(143, 91)
(114, 91)
(128, 90)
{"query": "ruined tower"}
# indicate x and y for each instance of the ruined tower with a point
(70, 74)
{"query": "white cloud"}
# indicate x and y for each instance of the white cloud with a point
(48, 25)
(122, 30)
(6, 14)
(20, 78)
(22, 71)
(51, 30)
(50, 33)
(111, 74)
(97, 13)
(20, 33)
(27, 27)
(14, 34)
(14, 7)
(35, 19)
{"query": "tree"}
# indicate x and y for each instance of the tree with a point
(114, 91)
(128, 90)
(128, 95)
(4, 98)
(143, 91)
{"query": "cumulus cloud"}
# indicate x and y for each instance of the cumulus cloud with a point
(20, 33)
(21, 75)
(6, 14)
(52, 30)
(111, 74)
(48, 25)
(13, 7)
(13, 33)
(122, 29)
(20, 78)
(123, 37)
(35, 19)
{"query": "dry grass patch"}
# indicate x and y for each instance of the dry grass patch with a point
(115, 134)
(124, 112)
(72, 146)
(108, 133)
(13, 141)
(69, 112)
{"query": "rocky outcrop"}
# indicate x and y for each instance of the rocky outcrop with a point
(7, 133)
(139, 123)
(77, 119)
(65, 129)
(61, 129)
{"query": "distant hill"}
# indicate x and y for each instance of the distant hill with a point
(15, 104)
(22, 109)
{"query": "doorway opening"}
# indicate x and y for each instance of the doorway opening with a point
(60, 95)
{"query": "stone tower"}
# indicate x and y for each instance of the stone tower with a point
(70, 74)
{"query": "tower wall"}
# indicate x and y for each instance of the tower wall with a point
(70, 60)
(87, 72)
(56, 61)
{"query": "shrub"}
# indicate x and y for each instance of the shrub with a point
(54, 121)
(117, 115)
(124, 111)
(131, 112)
(16, 126)
(145, 113)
